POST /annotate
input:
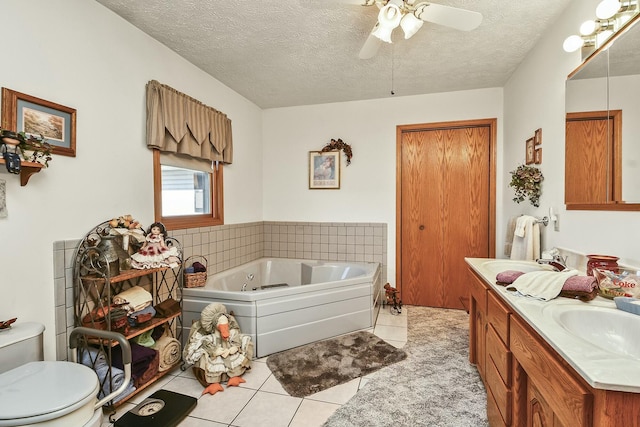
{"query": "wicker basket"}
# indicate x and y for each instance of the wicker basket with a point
(195, 280)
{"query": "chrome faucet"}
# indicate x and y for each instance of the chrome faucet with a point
(558, 263)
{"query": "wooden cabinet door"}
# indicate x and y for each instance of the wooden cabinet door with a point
(445, 210)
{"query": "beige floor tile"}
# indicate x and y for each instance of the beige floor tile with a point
(272, 385)
(391, 320)
(199, 422)
(224, 406)
(256, 376)
(394, 333)
(268, 409)
(158, 385)
(188, 386)
(339, 394)
(312, 413)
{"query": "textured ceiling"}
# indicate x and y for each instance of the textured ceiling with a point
(299, 52)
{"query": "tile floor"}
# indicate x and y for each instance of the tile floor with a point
(262, 401)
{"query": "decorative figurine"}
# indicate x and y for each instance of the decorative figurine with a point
(393, 299)
(217, 349)
(155, 253)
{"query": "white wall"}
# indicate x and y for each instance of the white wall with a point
(368, 186)
(534, 98)
(79, 54)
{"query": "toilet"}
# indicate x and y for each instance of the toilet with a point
(41, 393)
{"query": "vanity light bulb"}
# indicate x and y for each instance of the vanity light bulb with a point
(607, 8)
(588, 27)
(572, 43)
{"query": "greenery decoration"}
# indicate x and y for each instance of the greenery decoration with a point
(340, 145)
(527, 182)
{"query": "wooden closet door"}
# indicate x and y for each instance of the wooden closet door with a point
(446, 211)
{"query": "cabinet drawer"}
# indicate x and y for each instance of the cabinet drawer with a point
(498, 394)
(498, 316)
(499, 355)
(478, 291)
(493, 413)
(569, 399)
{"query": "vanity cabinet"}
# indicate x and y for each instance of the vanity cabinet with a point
(96, 282)
(528, 383)
(477, 322)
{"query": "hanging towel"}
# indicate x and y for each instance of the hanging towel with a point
(508, 240)
(542, 285)
(526, 239)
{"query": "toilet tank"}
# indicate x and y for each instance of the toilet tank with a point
(19, 344)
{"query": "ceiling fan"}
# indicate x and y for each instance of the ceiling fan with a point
(410, 15)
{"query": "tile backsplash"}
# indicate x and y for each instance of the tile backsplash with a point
(227, 246)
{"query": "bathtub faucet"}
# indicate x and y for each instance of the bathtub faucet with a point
(244, 287)
(250, 276)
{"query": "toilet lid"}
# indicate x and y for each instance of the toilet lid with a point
(41, 391)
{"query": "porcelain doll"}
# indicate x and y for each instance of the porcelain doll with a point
(155, 253)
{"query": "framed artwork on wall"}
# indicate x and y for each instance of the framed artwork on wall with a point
(538, 156)
(324, 170)
(530, 151)
(538, 137)
(38, 117)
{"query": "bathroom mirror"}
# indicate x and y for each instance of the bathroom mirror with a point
(602, 151)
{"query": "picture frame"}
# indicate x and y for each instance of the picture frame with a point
(537, 156)
(38, 117)
(324, 170)
(537, 137)
(530, 151)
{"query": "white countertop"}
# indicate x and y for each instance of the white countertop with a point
(600, 368)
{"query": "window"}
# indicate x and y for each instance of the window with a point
(188, 191)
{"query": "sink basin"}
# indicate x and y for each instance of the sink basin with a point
(610, 329)
(499, 265)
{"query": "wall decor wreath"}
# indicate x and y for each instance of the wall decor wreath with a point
(527, 182)
(340, 145)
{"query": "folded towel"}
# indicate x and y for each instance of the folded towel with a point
(542, 285)
(581, 295)
(141, 316)
(507, 277)
(141, 357)
(170, 352)
(135, 298)
(145, 339)
(150, 372)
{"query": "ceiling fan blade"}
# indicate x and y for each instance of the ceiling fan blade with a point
(371, 46)
(460, 19)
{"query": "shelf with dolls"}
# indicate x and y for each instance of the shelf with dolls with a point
(129, 281)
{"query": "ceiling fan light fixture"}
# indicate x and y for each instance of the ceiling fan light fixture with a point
(388, 19)
(410, 25)
(383, 33)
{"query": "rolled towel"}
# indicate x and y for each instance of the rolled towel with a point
(580, 283)
(170, 352)
(96, 359)
(507, 277)
(584, 288)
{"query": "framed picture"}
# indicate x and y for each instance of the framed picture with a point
(537, 137)
(537, 156)
(35, 116)
(324, 170)
(530, 151)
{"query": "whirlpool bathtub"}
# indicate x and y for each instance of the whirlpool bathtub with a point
(285, 303)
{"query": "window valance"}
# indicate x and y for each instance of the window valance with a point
(177, 123)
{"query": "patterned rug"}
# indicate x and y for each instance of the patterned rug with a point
(434, 386)
(314, 367)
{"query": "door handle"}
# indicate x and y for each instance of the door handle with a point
(421, 227)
